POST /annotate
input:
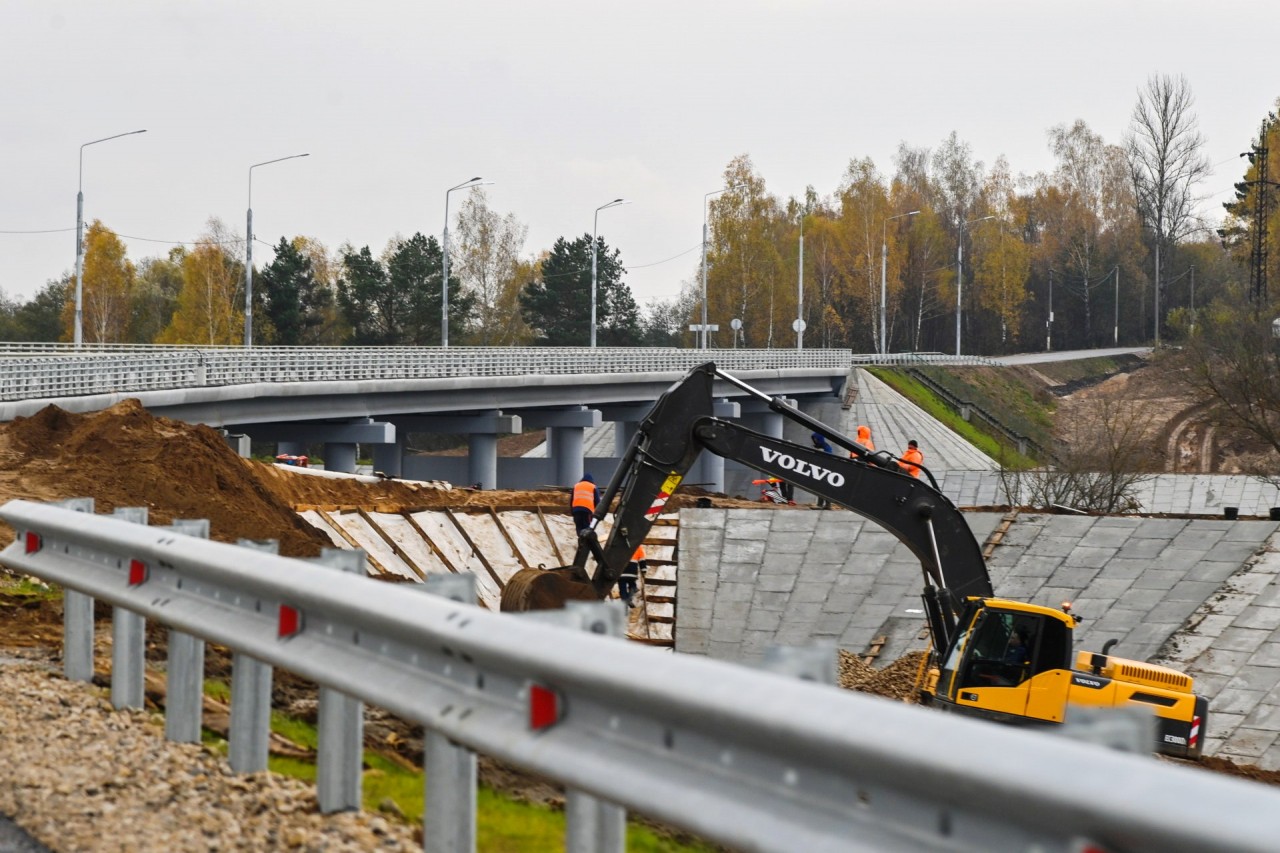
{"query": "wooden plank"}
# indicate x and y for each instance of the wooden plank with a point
(435, 549)
(350, 540)
(555, 547)
(660, 599)
(663, 620)
(659, 582)
(515, 549)
(877, 645)
(484, 561)
(393, 545)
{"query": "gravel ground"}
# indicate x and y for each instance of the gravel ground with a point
(79, 775)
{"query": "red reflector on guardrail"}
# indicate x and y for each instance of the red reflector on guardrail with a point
(290, 621)
(31, 542)
(544, 707)
(137, 572)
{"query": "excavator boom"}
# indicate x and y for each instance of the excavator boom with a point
(680, 426)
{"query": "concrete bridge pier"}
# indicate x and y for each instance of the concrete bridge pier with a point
(389, 458)
(709, 470)
(482, 430)
(565, 429)
(339, 438)
(626, 423)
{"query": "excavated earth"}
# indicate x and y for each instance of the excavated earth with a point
(125, 457)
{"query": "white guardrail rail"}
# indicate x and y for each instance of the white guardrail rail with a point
(52, 370)
(754, 760)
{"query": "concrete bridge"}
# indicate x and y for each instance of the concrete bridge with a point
(343, 397)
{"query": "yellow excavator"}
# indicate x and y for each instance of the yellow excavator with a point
(995, 658)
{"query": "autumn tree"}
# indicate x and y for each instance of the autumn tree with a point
(1003, 263)
(1166, 161)
(747, 271)
(864, 208)
(326, 267)
(1253, 218)
(211, 304)
(487, 259)
(106, 288)
(155, 295)
(922, 250)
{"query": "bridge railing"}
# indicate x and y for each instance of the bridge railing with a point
(56, 371)
(750, 759)
(922, 359)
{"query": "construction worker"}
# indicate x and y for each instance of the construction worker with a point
(820, 441)
(864, 438)
(912, 459)
(630, 575)
(585, 498)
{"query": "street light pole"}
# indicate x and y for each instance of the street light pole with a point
(444, 254)
(1116, 336)
(1048, 323)
(248, 250)
(884, 267)
(960, 271)
(79, 334)
(705, 200)
(800, 290)
(595, 223)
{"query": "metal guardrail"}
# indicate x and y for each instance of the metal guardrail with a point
(750, 759)
(53, 370)
(917, 359)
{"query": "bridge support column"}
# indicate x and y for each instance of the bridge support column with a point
(482, 460)
(710, 470)
(340, 456)
(292, 448)
(389, 458)
(565, 429)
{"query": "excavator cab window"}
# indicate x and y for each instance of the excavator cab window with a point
(1003, 650)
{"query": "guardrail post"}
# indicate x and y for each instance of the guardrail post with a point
(128, 641)
(184, 692)
(449, 812)
(340, 752)
(594, 825)
(250, 698)
(77, 618)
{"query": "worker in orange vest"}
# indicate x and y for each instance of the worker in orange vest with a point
(630, 575)
(912, 459)
(585, 498)
(864, 438)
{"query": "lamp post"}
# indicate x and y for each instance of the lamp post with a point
(595, 223)
(79, 334)
(248, 250)
(884, 267)
(705, 199)
(799, 324)
(960, 271)
(1116, 333)
(444, 254)
(1048, 323)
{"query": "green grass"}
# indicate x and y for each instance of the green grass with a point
(1063, 372)
(502, 823)
(21, 586)
(925, 399)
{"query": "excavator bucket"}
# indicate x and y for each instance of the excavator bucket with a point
(544, 589)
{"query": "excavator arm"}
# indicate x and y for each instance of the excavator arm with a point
(681, 425)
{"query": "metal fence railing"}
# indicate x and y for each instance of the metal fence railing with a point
(746, 758)
(29, 371)
(918, 359)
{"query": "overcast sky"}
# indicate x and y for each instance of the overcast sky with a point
(565, 105)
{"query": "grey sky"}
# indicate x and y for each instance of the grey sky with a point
(564, 104)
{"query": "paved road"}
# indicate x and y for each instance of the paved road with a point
(1069, 355)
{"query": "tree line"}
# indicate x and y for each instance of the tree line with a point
(1107, 247)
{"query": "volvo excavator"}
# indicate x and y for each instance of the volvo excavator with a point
(999, 659)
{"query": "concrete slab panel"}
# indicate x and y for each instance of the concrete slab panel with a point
(1241, 639)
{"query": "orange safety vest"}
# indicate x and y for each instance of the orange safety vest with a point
(584, 495)
(638, 555)
(913, 458)
(864, 438)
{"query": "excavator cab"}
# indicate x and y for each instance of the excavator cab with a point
(1008, 661)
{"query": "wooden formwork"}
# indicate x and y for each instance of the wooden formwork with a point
(493, 543)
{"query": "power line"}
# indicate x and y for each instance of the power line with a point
(42, 231)
(672, 258)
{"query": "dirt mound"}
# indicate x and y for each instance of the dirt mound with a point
(125, 456)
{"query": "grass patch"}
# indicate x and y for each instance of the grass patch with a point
(925, 399)
(1063, 372)
(503, 824)
(27, 588)
(1010, 395)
